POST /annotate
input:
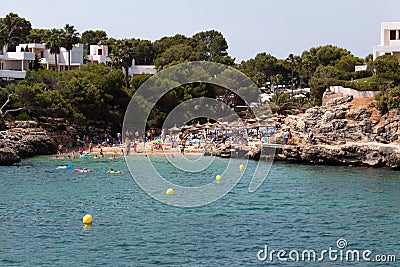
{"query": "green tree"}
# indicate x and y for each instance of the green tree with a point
(260, 68)
(38, 36)
(144, 52)
(166, 42)
(211, 45)
(309, 63)
(281, 103)
(137, 81)
(326, 72)
(54, 42)
(294, 64)
(93, 37)
(329, 55)
(122, 55)
(176, 54)
(387, 66)
(71, 37)
(389, 100)
(13, 31)
(348, 63)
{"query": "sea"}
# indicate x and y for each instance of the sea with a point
(301, 215)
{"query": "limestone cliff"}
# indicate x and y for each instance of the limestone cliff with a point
(345, 133)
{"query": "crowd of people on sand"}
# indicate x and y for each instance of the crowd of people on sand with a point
(198, 140)
(94, 147)
(183, 141)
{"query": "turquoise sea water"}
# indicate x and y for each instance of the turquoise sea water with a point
(298, 207)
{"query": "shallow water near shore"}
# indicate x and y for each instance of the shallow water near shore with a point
(298, 207)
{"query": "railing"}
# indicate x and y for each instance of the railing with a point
(19, 56)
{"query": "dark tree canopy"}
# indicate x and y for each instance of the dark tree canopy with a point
(13, 31)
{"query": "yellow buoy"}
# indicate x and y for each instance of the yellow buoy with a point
(218, 178)
(170, 191)
(241, 167)
(87, 219)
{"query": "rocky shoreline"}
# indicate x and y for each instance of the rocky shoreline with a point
(28, 138)
(345, 133)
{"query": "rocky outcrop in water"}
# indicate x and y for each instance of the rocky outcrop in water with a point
(8, 157)
(28, 138)
(350, 154)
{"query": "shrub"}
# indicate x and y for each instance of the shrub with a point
(389, 100)
(22, 117)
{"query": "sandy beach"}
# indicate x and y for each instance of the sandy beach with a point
(120, 150)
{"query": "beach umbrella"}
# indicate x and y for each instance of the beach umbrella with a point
(196, 140)
(264, 116)
(157, 141)
(208, 123)
(193, 128)
(251, 120)
(174, 129)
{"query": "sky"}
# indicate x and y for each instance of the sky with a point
(277, 27)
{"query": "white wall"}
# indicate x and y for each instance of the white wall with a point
(352, 92)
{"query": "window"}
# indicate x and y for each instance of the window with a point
(100, 52)
(392, 34)
(41, 54)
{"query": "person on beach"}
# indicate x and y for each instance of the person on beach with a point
(59, 149)
(285, 137)
(289, 137)
(90, 147)
(310, 136)
(135, 146)
(119, 138)
(128, 148)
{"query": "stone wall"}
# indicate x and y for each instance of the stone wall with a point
(354, 93)
(340, 91)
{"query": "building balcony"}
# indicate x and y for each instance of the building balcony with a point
(387, 48)
(18, 56)
(99, 58)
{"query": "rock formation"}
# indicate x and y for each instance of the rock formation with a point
(27, 138)
(345, 134)
(8, 156)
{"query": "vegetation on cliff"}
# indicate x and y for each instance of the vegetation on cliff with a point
(100, 92)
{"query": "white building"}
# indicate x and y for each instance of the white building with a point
(48, 59)
(390, 40)
(135, 70)
(99, 54)
(13, 65)
(360, 67)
